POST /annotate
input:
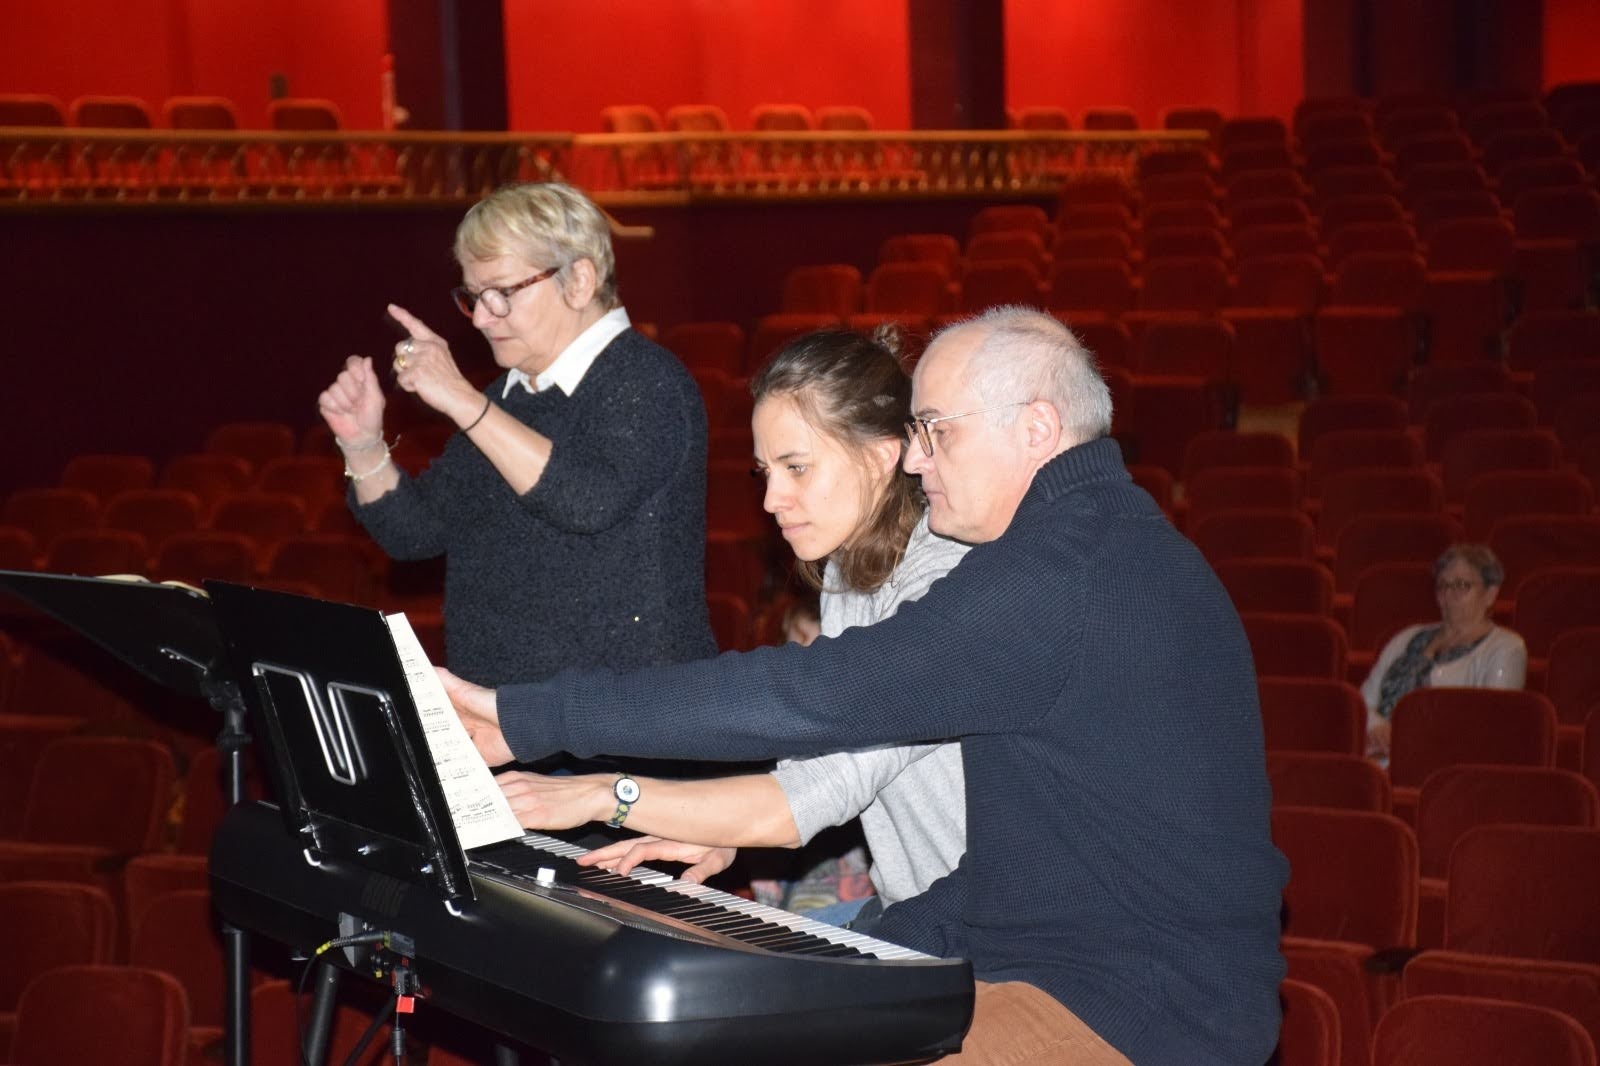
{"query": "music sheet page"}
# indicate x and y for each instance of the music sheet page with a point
(477, 806)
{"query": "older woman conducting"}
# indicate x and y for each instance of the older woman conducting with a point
(1465, 649)
(570, 505)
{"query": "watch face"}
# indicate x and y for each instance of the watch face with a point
(627, 789)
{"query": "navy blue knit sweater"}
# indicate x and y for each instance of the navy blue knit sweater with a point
(1117, 807)
(600, 564)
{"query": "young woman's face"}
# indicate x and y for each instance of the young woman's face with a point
(818, 488)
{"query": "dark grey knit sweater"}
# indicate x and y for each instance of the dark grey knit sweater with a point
(1119, 854)
(602, 562)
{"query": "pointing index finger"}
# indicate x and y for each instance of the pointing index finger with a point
(413, 325)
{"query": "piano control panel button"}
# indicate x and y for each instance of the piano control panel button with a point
(545, 876)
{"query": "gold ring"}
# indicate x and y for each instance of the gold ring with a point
(399, 362)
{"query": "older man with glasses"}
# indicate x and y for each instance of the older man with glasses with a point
(570, 506)
(1120, 893)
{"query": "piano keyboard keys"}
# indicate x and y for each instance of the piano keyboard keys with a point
(698, 905)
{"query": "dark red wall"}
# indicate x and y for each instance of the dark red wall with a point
(139, 330)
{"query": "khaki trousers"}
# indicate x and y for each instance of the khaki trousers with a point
(1016, 1024)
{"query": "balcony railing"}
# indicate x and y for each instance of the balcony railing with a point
(166, 166)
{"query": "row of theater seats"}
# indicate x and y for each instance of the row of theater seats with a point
(710, 118)
(1364, 880)
(177, 112)
(256, 503)
(1517, 932)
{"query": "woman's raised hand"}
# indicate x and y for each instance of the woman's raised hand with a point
(353, 405)
(423, 365)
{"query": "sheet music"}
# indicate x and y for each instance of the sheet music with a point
(477, 806)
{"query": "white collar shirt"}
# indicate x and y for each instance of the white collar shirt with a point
(575, 359)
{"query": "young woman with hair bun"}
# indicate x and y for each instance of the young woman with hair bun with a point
(829, 431)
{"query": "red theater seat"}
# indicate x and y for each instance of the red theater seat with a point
(1368, 540)
(1496, 495)
(1353, 493)
(1571, 988)
(200, 113)
(1330, 413)
(1285, 586)
(1291, 645)
(1433, 728)
(110, 112)
(1525, 891)
(45, 924)
(1352, 876)
(1310, 1031)
(1457, 799)
(1449, 1030)
(107, 1015)
(830, 288)
(303, 114)
(1253, 533)
(1312, 714)
(47, 513)
(107, 475)
(1327, 779)
(256, 443)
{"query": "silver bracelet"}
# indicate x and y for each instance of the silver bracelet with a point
(385, 461)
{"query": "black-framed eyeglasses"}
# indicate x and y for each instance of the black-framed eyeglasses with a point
(497, 300)
(917, 429)
(1459, 585)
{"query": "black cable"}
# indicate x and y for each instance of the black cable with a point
(373, 1028)
(300, 989)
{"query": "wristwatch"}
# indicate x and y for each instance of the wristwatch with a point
(626, 789)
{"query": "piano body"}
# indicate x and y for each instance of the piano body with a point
(597, 968)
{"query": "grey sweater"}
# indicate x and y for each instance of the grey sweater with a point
(911, 798)
(600, 564)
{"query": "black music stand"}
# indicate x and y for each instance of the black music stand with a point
(169, 634)
(346, 746)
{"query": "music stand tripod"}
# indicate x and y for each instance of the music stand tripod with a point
(169, 634)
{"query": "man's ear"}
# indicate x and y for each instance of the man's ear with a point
(1042, 423)
(582, 283)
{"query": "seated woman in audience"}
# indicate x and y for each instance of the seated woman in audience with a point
(570, 503)
(1465, 649)
(829, 430)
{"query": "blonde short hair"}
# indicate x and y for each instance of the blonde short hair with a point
(545, 222)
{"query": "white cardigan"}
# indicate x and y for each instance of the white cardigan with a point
(1501, 661)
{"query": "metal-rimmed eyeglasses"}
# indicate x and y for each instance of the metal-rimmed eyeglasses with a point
(496, 300)
(918, 429)
(1458, 586)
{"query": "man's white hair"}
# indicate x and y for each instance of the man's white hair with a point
(1027, 355)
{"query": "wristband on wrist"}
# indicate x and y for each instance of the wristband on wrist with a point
(487, 403)
(626, 790)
